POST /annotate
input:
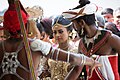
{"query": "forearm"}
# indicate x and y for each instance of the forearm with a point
(73, 58)
(61, 55)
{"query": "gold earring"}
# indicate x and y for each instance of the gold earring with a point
(82, 31)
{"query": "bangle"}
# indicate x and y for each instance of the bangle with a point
(83, 59)
(57, 54)
(68, 57)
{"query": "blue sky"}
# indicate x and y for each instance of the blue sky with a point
(53, 7)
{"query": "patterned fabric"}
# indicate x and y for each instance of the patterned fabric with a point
(10, 63)
(59, 69)
(90, 47)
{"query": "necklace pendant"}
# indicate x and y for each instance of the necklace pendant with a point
(91, 51)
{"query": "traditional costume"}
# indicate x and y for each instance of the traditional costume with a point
(10, 61)
(59, 69)
(109, 70)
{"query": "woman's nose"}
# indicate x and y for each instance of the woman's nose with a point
(57, 34)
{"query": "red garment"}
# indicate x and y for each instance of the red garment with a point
(98, 75)
(11, 21)
(109, 70)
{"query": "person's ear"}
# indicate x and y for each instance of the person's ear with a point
(82, 22)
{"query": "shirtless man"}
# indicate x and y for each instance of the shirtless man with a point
(96, 43)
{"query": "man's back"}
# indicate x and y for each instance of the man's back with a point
(13, 61)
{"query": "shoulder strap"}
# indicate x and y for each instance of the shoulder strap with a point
(19, 47)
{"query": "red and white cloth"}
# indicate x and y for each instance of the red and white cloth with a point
(109, 69)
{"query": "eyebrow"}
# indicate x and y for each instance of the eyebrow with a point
(118, 16)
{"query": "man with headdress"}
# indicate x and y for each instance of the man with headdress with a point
(13, 60)
(94, 43)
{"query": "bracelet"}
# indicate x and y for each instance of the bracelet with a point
(83, 59)
(57, 54)
(68, 57)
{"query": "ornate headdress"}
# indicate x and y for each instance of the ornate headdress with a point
(61, 20)
(11, 21)
(87, 9)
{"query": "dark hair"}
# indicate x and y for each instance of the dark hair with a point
(40, 27)
(82, 3)
(107, 11)
(89, 19)
(63, 21)
(10, 1)
(112, 27)
(47, 25)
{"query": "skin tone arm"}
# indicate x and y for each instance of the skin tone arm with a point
(61, 55)
(114, 42)
(75, 59)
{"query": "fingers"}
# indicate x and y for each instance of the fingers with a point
(97, 64)
(91, 71)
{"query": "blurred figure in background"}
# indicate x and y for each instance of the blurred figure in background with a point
(100, 21)
(45, 29)
(47, 25)
(112, 27)
(108, 14)
(117, 17)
